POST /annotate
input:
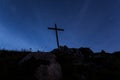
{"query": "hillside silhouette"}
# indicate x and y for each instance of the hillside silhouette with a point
(59, 64)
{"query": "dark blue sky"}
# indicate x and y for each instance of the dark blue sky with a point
(87, 23)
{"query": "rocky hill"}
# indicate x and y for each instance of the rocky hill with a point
(60, 64)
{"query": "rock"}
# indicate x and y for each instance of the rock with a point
(49, 72)
(42, 66)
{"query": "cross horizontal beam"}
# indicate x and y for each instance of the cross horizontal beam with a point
(56, 29)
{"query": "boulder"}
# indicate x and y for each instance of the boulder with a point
(40, 66)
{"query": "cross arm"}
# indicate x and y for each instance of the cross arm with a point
(51, 28)
(56, 29)
(60, 29)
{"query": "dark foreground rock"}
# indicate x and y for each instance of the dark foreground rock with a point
(39, 66)
(60, 64)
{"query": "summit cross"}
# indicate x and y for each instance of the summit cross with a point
(56, 31)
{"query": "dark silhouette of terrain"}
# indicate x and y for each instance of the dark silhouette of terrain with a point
(60, 64)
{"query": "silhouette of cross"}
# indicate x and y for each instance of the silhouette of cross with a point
(56, 30)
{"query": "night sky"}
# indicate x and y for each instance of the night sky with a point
(87, 23)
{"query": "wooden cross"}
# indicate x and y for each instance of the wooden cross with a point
(56, 30)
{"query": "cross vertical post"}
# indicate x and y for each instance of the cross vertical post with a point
(57, 35)
(56, 31)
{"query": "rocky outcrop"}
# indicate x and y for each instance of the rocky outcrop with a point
(60, 64)
(48, 72)
(42, 66)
